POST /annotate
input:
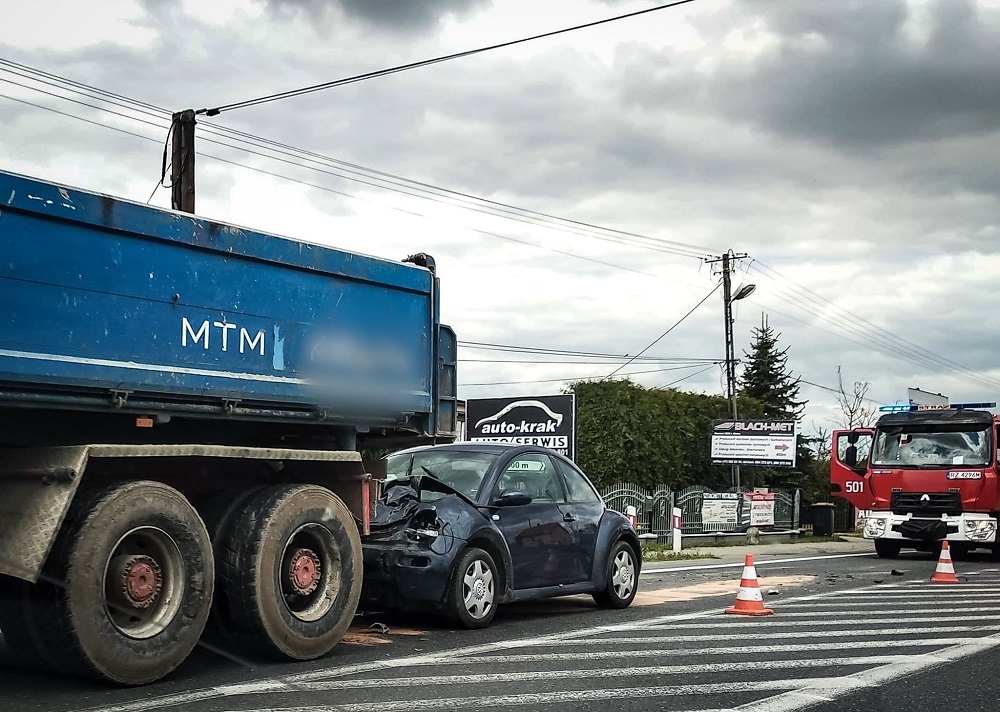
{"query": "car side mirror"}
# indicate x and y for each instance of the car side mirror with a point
(512, 498)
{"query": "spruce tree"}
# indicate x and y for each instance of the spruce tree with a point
(766, 378)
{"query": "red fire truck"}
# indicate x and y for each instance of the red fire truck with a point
(923, 474)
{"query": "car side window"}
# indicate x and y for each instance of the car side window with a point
(577, 485)
(534, 473)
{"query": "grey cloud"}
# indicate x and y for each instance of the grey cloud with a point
(848, 75)
(763, 157)
(394, 15)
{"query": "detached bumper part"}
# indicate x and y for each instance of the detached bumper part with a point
(925, 529)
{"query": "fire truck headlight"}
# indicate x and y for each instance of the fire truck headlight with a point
(980, 529)
(874, 527)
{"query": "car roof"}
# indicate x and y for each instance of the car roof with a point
(472, 446)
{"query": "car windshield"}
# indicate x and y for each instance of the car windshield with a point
(931, 447)
(461, 470)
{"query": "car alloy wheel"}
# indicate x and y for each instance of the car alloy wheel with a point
(478, 589)
(623, 574)
(473, 593)
(622, 578)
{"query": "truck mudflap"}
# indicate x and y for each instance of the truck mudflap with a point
(37, 486)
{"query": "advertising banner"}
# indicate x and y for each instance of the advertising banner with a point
(720, 510)
(765, 443)
(548, 421)
(761, 508)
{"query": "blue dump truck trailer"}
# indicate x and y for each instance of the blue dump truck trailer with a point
(182, 408)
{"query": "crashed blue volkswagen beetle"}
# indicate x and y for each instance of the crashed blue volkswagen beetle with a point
(464, 527)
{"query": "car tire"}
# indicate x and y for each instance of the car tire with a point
(887, 549)
(473, 593)
(622, 581)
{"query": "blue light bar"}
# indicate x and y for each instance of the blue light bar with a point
(911, 407)
(962, 406)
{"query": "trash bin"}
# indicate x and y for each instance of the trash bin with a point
(822, 516)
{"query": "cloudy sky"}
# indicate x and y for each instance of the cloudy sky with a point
(848, 148)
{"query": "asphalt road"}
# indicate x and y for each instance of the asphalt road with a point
(846, 635)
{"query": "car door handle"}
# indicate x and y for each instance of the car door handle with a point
(569, 517)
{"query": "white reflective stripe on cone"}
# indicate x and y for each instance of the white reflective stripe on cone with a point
(749, 573)
(749, 594)
(945, 568)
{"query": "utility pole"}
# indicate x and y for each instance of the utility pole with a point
(182, 162)
(727, 306)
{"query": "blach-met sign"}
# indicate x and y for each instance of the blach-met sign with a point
(548, 421)
(766, 443)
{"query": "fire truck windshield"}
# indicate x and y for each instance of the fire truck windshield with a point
(930, 446)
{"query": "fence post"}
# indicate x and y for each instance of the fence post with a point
(675, 534)
(796, 511)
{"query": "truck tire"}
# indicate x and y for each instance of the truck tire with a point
(15, 620)
(289, 573)
(887, 549)
(959, 552)
(127, 588)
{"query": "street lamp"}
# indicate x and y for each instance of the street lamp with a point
(728, 298)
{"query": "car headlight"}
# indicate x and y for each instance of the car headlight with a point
(424, 525)
(874, 527)
(980, 529)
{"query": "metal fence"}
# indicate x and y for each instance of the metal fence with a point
(653, 508)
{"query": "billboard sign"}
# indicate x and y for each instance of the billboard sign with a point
(765, 443)
(548, 421)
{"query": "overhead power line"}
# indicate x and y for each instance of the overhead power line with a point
(537, 350)
(847, 326)
(674, 326)
(267, 98)
(587, 378)
(334, 191)
(353, 172)
(690, 375)
(588, 362)
(864, 331)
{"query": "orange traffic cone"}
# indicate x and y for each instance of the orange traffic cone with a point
(945, 571)
(749, 602)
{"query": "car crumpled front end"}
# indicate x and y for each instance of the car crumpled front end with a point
(409, 554)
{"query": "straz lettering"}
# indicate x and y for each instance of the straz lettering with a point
(239, 338)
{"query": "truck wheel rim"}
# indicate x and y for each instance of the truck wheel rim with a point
(310, 572)
(143, 583)
(477, 589)
(623, 575)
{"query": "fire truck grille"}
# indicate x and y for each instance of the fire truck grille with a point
(931, 504)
